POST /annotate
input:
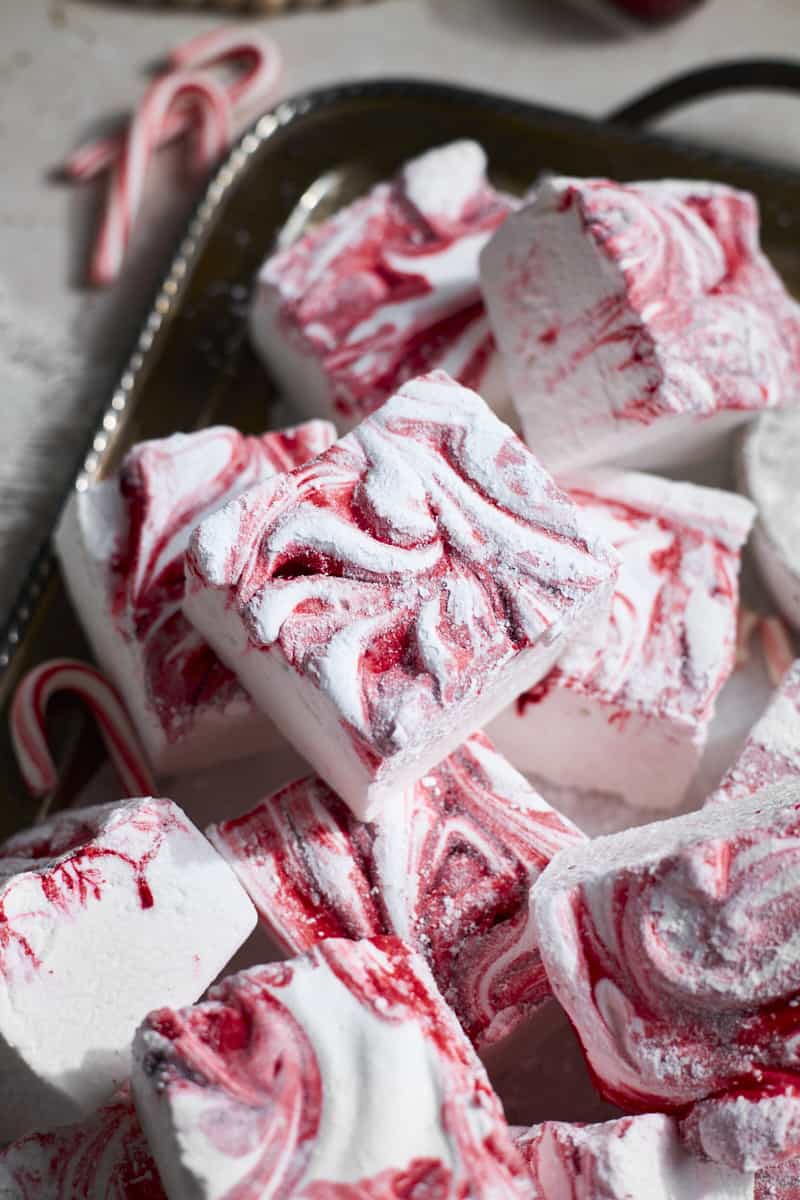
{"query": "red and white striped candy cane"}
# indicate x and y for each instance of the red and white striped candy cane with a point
(253, 89)
(213, 117)
(778, 648)
(260, 56)
(29, 727)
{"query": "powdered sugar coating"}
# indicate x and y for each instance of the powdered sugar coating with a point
(167, 488)
(104, 1158)
(124, 566)
(448, 869)
(673, 949)
(401, 574)
(779, 1183)
(386, 289)
(338, 1075)
(767, 463)
(650, 671)
(628, 1159)
(772, 751)
(620, 307)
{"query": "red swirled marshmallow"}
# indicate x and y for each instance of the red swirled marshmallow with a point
(386, 600)
(335, 1076)
(673, 950)
(104, 912)
(448, 868)
(121, 545)
(638, 322)
(630, 1159)
(385, 290)
(105, 1157)
(636, 692)
(772, 751)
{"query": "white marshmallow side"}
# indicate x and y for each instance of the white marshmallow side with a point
(577, 740)
(93, 941)
(768, 473)
(311, 722)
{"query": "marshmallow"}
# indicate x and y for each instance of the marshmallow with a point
(448, 868)
(627, 710)
(340, 1074)
(779, 1183)
(121, 546)
(105, 912)
(768, 471)
(772, 751)
(394, 595)
(638, 323)
(633, 1157)
(104, 1158)
(673, 949)
(385, 290)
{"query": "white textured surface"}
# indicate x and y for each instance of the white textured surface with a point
(66, 66)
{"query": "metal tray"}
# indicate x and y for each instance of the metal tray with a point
(192, 365)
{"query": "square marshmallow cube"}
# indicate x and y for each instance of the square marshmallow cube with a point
(448, 868)
(121, 545)
(630, 1159)
(627, 709)
(342, 1073)
(105, 1157)
(390, 598)
(106, 912)
(385, 290)
(640, 322)
(771, 753)
(673, 950)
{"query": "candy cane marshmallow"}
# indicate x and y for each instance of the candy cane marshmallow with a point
(448, 868)
(385, 290)
(673, 949)
(121, 545)
(104, 912)
(638, 323)
(338, 1075)
(105, 1157)
(635, 1158)
(390, 598)
(636, 692)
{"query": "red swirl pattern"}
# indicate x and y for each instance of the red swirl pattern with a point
(105, 1158)
(246, 1066)
(667, 646)
(619, 304)
(66, 857)
(402, 570)
(718, 329)
(167, 487)
(448, 869)
(619, 1159)
(387, 289)
(672, 950)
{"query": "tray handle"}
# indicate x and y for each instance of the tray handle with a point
(746, 74)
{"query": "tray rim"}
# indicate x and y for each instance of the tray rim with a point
(190, 245)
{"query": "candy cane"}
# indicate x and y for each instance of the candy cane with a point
(264, 66)
(258, 83)
(29, 729)
(127, 186)
(776, 643)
